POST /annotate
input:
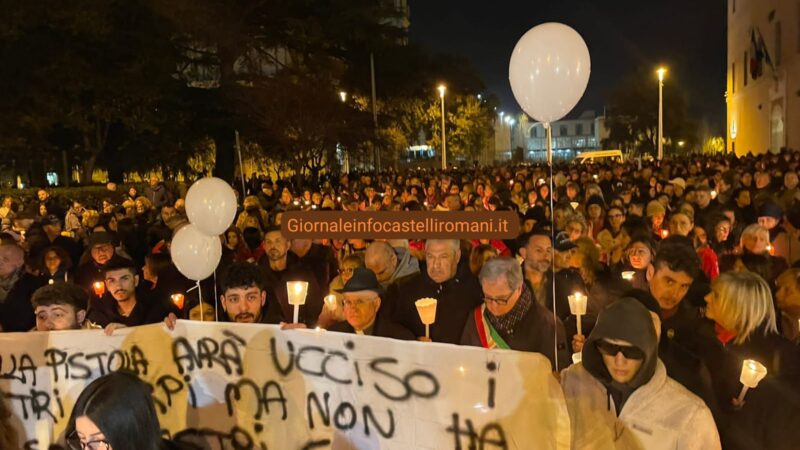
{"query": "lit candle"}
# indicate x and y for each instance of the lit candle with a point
(338, 199)
(99, 288)
(577, 306)
(330, 302)
(574, 205)
(752, 373)
(297, 290)
(178, 300)
(426, 308)
(664, 233)
(577, 357)
(511, 182)
(771, 249)
(50, 281)
(628, 275)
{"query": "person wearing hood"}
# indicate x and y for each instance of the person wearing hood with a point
(620, 397)
(392, 266)
(454, 287)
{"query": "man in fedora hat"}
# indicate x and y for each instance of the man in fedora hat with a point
(362, 309)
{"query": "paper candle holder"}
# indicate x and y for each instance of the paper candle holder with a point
(297, 291)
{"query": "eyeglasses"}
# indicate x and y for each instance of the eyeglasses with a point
(75, 443)
(609, 349)
(500, 301)
(357, 303)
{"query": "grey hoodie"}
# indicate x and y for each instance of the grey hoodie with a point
(625, 319)
(407, 265)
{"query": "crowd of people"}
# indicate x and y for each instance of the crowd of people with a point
(690, 267)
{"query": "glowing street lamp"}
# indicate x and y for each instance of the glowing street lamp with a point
(442, 89)
(661, 71)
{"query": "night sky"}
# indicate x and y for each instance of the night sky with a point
(689, 36)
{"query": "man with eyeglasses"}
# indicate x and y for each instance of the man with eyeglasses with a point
(509, 318)
(362, 309)
(619, 395)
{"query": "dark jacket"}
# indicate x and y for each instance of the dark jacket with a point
(769, 418)
(534, 333)
(16, 311)
(322, 262)
(277, 306)
(457, 297)
(90, 272)
(103, 310)
(158, 195)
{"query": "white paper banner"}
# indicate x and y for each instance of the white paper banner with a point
(234, 386)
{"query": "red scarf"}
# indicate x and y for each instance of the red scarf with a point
(723, 335)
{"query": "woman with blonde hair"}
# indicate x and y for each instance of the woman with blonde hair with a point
(740, 305)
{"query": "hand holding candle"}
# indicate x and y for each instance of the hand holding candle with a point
(426, 308)
(99, 288)
(330, 302)
(296, 291)
(577, 306)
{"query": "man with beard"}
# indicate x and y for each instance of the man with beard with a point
(281, 266)
(60, 306)
(125, 302)
(244, 297)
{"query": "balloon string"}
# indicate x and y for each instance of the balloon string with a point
(553, 236)
(216, 298)
(199, 296)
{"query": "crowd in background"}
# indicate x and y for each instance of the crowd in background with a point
(690, 267)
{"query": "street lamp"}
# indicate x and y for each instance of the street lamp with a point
(661, 71)
(442, 90)
(343, 96)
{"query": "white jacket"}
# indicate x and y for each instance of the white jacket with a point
(662, 414)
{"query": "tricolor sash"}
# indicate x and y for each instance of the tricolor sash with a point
(490, 338)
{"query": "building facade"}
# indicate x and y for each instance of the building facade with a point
(570, 137)
(763, 75)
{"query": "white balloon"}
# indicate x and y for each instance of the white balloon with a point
(211, 205)
(549, 71)
(195, 254)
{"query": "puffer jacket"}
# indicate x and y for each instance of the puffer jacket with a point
(651, 411)
(662, 414)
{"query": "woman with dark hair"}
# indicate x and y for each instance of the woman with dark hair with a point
(116, 412)
(55, 264)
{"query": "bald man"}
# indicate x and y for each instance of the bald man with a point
(16, 288)
(393, 266)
